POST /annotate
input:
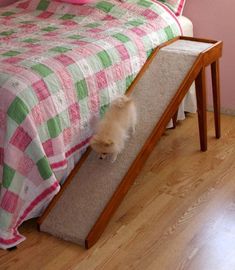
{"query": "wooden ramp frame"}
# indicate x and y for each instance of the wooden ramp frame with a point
(208, 56)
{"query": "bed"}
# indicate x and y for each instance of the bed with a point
(60, 67)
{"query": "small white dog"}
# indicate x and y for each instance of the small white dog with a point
(113, 129)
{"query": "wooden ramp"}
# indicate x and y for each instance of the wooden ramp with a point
(95, 188)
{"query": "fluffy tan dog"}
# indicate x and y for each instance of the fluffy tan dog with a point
(113, 129)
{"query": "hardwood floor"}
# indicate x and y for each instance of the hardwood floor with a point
(179, 214)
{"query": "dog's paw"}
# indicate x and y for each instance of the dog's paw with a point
(114, 157)
(133, 129)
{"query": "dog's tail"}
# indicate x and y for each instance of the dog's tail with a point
(122, 101)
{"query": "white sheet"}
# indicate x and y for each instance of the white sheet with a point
(187, 25)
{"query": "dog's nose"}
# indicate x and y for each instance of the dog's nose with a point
(101, 157)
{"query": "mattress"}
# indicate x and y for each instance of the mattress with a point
(186, 25)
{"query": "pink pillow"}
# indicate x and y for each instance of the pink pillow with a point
(176, 6)
(77, 2)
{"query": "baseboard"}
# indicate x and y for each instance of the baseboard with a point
(223, 110)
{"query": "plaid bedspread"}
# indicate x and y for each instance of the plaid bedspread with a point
(60, 67)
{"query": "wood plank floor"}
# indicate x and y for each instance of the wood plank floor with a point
(180, 214)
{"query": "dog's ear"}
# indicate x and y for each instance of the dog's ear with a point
(108, 142)
(121, 101)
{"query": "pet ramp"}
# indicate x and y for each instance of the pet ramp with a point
(95, 188)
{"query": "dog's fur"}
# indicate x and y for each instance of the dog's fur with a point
(113, 129)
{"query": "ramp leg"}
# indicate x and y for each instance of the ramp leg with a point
(201, 108)
(216, 96)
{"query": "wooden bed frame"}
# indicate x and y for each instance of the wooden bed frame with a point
(197, 74)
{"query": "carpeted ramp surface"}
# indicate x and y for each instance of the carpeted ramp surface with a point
(86, 196)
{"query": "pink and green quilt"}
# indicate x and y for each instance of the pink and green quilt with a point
(60, 67)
